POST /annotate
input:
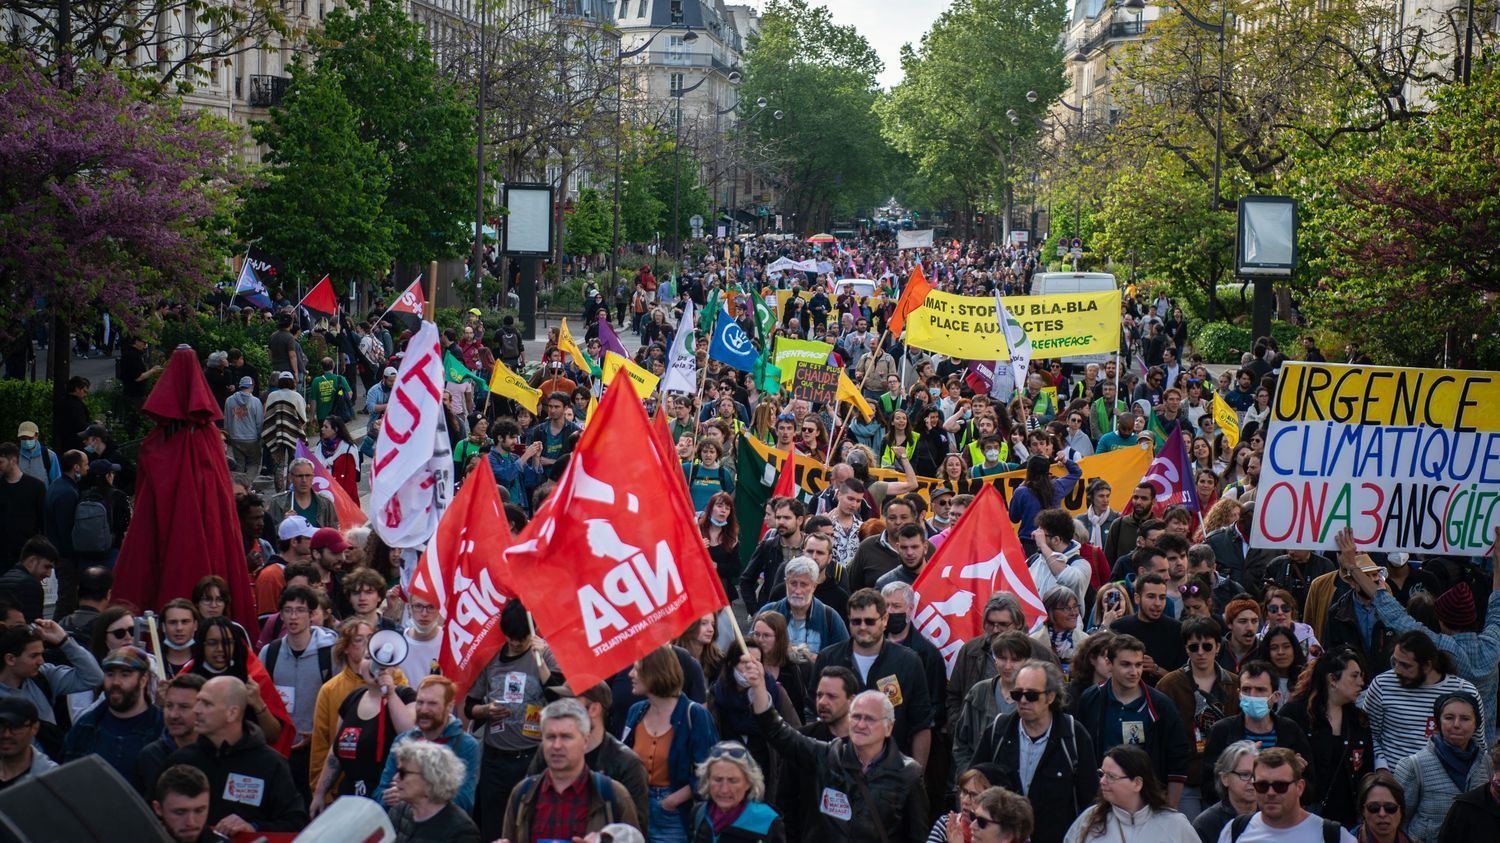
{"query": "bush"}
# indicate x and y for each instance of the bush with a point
(206, 334)
(1222, 342)
(452, 319)
(22, 401)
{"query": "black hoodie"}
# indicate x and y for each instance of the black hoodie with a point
(249, 779)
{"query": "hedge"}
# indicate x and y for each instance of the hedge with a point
(22, 401)
(1214, 340)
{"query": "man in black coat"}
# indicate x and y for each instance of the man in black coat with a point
(1057, 773)
(1126, 710)
(1255, 722)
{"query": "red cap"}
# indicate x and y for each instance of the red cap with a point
(329, 538)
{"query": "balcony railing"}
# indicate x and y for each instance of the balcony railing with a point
(1114, 32)
(267, 91)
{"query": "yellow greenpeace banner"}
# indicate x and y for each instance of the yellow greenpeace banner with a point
(642, 381)
(1122, 469)
(1060, 325)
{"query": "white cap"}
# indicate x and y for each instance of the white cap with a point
(390, 372)
(295, 527)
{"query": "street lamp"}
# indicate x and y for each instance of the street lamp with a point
(614, 245)
(1078, 58)
(1218, 30)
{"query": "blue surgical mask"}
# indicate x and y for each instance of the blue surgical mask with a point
(30, 446)
(1255, 708)
(718, 522)
(934, 392)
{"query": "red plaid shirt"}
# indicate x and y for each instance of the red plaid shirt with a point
(561, 814)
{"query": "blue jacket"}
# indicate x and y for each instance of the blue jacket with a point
(87, 737)
(463, 744)
(821, 618)
(1024, 506)
(515, 477)
(693, 735)
(758, 822)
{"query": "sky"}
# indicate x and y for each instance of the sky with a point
(887, 24)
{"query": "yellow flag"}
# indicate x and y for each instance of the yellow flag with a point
(849, 392)
(566, 343)
(642, 381)
(593, 405)
(508, 384)
(1227, 420)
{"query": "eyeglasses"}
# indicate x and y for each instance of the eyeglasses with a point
(983, 823)
(122, 632)
(864, 621)
(1027, 694)
(421, 608)
(293, 611)
(1382, 808)
(971, 794)
(1200, 647)
(403, 773)
(1111, 777)
(1264, 786)
(1277, 608)
(1244, 777)
(998, 626)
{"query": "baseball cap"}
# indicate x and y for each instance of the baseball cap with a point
(390, 372)
(247, 383)
(295, 527)
(285, 376)
(17, 711)
(475, 311)
(94, 430)
(329, 539)
(99, 468)
(27, 429)
(939, 492)
(130, 658)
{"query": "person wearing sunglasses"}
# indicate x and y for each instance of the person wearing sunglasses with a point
(958, 826)
(990, 697)
(1204, 694)
(1382, 810)
(1256, 720)
(1131, 806)
(1040, 752)
(1454, 761)
(734, 790)
(1280, 784)
(999, 816)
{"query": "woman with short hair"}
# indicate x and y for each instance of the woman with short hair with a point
(733, 791)
(1382, 810)
(1132, 805)
(1452, 762)
(672, 735)
(428, 776)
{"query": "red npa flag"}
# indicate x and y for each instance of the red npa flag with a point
(463, 572)
(912, 297)
(981, 556)
(616, 564)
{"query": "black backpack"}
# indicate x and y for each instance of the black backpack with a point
(325, 659)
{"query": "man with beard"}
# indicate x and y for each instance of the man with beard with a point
(1127, 528)
(837, 687)
(1399, 701)
(811, 623)
(178, 697)
(120, 729)
(435, 722)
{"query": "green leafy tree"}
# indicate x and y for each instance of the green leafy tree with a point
(1157, 218)
(1405, 232)
(421, 123)
(827, 150)
(588, 226)
(320, 205)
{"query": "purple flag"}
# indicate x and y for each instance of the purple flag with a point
(607, 339)
(981, 376)
(1171, 475)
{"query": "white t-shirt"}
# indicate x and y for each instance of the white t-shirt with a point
(421, 657)
(862, 665)
(1310, 830)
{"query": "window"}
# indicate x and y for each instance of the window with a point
(676, 50)
(676, 11)
(640, 9)
(624, 7)
(676, 83)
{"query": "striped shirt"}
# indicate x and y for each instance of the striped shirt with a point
(1401, 720)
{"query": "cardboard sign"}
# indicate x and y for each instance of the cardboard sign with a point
(815, 382)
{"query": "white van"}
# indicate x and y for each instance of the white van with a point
(1053, 283)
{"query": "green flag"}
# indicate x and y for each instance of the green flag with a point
(765, 317)
(755, 477)
(454, 371)
(708, 314)
(767, 377)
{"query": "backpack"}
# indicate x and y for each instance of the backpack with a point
(325, 660)
(602, 786)
(91, 528)
(510, 343)
(1238, 825)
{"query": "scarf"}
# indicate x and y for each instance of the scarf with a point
(1456, 762)
(1096, 524)
(721, 819)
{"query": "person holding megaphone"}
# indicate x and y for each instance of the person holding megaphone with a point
(370, 718)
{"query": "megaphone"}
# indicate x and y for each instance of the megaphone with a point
(388, 648)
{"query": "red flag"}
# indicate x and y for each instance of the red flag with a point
(463, 572)
(348, 509)
(660, 428)
(981, 556)
(320, 299)
(618, 555)
(409, 308)
(912, 296)
(786, 481)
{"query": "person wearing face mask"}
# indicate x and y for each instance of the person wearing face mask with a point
(1256, 723)
(37, 459)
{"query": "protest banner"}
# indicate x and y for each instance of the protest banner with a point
(1408, 459)
(788, 352)
(816, 382)
(1122, 469)
(914, 239)
(412, 478)
(1062, 325)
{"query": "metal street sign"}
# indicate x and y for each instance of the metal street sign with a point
(696, 220)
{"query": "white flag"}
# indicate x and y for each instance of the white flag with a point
(412, 481)
(1016, 341)
(682, 360)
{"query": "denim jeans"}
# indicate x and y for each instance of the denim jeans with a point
(666, 826)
